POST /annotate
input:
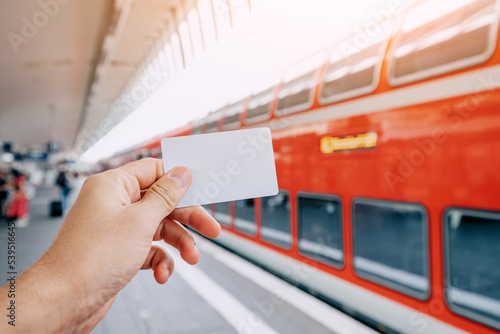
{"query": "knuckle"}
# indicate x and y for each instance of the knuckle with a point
(99, 179)
(111, 174)
(91, 181)
(166, 194)
(170, 264)
(101, 176)
(93, 178)
(184, 239)
(188, 236)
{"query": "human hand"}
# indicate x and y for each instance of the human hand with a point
(106, 239)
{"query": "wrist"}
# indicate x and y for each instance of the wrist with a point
(51, 298)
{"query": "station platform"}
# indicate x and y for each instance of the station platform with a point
(223, 294)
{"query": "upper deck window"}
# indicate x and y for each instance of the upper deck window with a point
(353, 68)
(259, 106)
(232, 116)
(298, 85)
(472, 275)
(197, 126)
(442, 36)
(213, 121)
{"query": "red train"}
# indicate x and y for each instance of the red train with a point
(387, 153)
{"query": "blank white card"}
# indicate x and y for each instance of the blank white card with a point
(226, 166)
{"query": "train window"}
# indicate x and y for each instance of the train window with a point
(244, 213)
(158, 153)
(197, 126)
(222, 213)
(299, 81)
(207, 208)
(275, 220)
(259, 106)
(353, 68)
(213, 121)
(472, 264)
(391, 245)
(320, 228)
(232, 117)
(438, 37)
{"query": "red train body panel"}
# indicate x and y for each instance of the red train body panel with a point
(437, 142)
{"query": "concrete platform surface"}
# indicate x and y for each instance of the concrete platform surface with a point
(220, 295)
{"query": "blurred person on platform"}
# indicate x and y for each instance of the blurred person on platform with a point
(18, 209)
(4, 193)
(64, 184)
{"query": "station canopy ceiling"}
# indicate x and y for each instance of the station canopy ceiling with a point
(57, 55)
(67, 65)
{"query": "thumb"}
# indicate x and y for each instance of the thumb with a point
(165, 194)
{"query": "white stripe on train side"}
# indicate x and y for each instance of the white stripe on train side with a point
(283, 292)
(388, 312)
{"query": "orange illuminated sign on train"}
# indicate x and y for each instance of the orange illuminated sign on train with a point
(330, 144)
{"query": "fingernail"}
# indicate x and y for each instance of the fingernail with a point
(166, 270)
(181, 175)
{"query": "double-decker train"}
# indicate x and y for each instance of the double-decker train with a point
(387, 150)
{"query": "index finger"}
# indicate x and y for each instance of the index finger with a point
(199, 219)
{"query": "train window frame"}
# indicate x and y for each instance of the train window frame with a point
(222, 222)
(233, 125)
(213, 118)
(207, 208)
(237, 221)
(284, 191)
(316, 76)
(385, 39)
(426, 249)
(330, 197)
(442, 69)
(267, 115)
(198, 126)
(447, 264)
